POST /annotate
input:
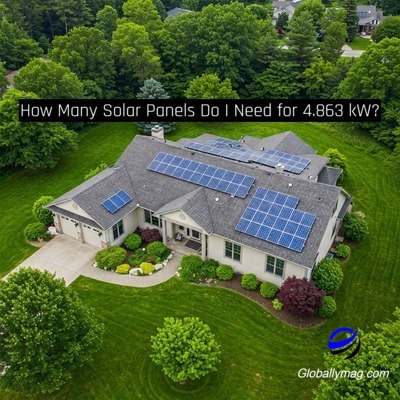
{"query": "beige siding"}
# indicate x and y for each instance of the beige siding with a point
(91, 235)
(73, 207)
(68, 227)
(130, 224)
(252, 262)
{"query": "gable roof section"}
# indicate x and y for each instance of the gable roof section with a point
(329, 175)
(176, 11)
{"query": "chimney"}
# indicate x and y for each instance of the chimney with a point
(279, 167)
(157, 131)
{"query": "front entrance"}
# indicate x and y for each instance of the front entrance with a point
(193, 234)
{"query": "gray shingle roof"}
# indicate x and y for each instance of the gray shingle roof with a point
(176, 11)
(74, 216)
(329, 175)
(162, 193)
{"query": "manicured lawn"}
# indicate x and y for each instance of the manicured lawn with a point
(261, 356)
(359, 43)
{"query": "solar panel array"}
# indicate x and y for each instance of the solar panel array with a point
(272, 216)
(232, 149)
(202, 174)
(116, 201)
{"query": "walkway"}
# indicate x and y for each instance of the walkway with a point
(69, 259)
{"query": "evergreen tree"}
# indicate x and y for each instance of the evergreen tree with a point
(106, 21)
(153, 89)
(351, 19)
(282, 20)
(335, 37)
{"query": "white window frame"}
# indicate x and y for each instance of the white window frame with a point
(234, 246)
(273, 264)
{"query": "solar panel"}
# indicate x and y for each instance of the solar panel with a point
(117, 201)
(202, 174)
(272, 216)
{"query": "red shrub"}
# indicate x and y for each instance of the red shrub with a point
(150, 235)
(300, 296)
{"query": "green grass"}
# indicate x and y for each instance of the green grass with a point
(261, 355)
(359, 43)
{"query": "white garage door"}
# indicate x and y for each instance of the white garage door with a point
(91, 236)
(68, 227)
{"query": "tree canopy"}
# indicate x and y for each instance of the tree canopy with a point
(106, 21)
(209, 86)
(390, 27)
(45, 331)
(351, 18)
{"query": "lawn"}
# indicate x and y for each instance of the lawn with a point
(359, 43)
(261, 356)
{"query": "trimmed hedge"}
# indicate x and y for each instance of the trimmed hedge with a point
(328, 275)
(137, 258)
(111, 257)
(268, 290)
(249, 282)
(328, 307)
(132, 241)
(147, 268)
(35, 231)
(210, 268)
(342, 250)
(158, 250)
(191, 268)
(123, 269)
(225, 272)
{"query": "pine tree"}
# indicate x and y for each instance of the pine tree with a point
(351, 19)
(153, 89)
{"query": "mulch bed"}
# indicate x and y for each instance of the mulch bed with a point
(304, 322)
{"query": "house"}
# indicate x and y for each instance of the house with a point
(176, 11)
(280, 7)
(369, 18)
(265, 206)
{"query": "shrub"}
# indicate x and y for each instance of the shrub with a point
(337, 160)
(191, 268)
(210, 268)
(328, 275)
(40, 213)
(268, 290)
(35, 231)
(123, 269)
(278, 305)
(328, 307)
(111, 257)
(300, 296)
(150, 235)
(137, 258)
(249, 282)
(225, 272)
(147, 268)
(342, 250)
(95, 171)
(355, 227)
(158, 251)
(132, 241)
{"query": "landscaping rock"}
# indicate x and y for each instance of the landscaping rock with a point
(158, 266)
(136, 271)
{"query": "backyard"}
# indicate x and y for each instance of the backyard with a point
(260, 354)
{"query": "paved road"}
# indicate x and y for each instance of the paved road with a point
(348, 52)
(69, 259)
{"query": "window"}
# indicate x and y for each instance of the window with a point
(195, 234)
(335, 208)
(275, 266)
(118, 229)
(151, 219)
(233, 251)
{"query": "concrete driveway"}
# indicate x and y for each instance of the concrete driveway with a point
(348, 52)
(63, 255)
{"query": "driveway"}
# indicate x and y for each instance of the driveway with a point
(348, 52)
(63, 255)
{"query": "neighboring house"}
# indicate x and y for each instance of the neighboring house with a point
(237, 223)
(369, 18)
(176, 11)
(280, 7)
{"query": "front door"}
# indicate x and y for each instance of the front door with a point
(193, 234)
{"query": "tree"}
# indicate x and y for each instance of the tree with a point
(389, 7)
(72, 13)
(380, 351)
(351, 19)
(49, 80)
(316, 78)
(3, 80)
(300, 296)
(209, 86)
(106, 21)
(337, 160)
(301, 40)
(390, 27)
(137, 57)
(158, 4)
(89, 55)
(185, 349)
(30, 144)
(46, 331)
(16, 48)
(315, 9)
(40, 213)
(328, 276)
(376, 75)
(334, 39)
(355, 226)
(153, 89)
(282, 20)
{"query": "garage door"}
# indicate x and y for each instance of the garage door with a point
(68, 227)
(91, 236)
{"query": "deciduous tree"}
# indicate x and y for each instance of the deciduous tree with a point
(315, 9)
(45, 332)
(334, 39)
(316, 78)
(390, 7)
(389, 28)
(106, 21)
(337, 160)
(209, 86)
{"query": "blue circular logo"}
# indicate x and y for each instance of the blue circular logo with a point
(338, 347)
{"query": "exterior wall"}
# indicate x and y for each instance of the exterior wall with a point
(179, 218)
(130, 223)
(68, 227)
(73, 207)
(142, 223)
(328, 238)
(91, 235)
(252, 262)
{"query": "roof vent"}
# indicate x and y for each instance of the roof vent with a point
(217, 199)
(262, 149)
(290, 184)
(279, 167)
(232, 195)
